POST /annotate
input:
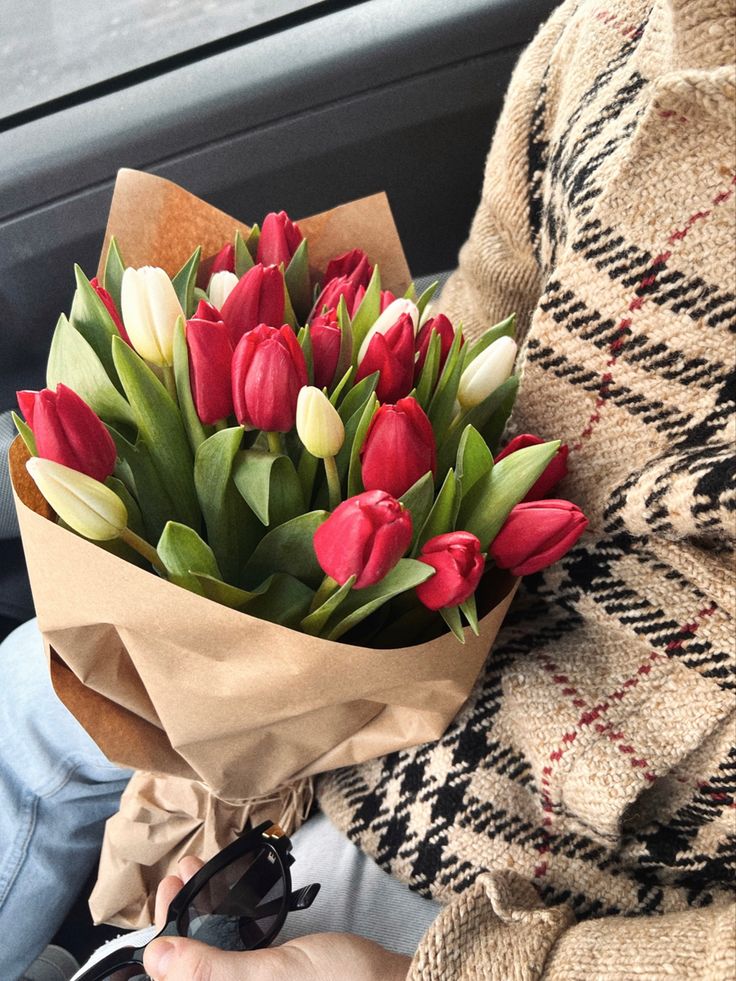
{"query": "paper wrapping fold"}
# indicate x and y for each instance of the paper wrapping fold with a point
(214, 701)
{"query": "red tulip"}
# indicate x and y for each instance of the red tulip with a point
(205, 311)
(364, 536)
(536, 534)
(556, 468)
(399, 448)
(268, 371)
(353, 265)
(333, 290)
(279, 239)
(458, 563)
(111, 308)
(444, 328)
(257, 299)
(392, 354)
(210, 361)
(67, 431)
(224, 261)
(326, 337)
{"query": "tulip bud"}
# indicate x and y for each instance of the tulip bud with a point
(441, 325)
(268, 371)
(326, 338)
(335, 288)
(220, 287)
(353, 265)
(458, 563)
(392, 354)
(489, 370)
(111, 308)
(85, 504)
(210, 361)
(536, 534)
(207, 311)
(399, 448)
(386, 320)
(279, 239)
(318, 423)
(257, 299)
(556, 468)
(224, 261)
(150, 310)
(364, 536)
(67, 431)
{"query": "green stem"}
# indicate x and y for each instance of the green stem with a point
(147, 551)
(333, 481)
(170, 382)
(220, 425)
(275, 443)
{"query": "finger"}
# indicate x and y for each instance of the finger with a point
(177, 959)
(167, 889)
(189, 866)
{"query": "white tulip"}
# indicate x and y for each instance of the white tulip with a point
(86, 505)
(150, 308)
(489, 370)
(318, 423)
(221, 286)
(387, 319)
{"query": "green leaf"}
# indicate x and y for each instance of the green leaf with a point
(252, 241)
(308, 468)
(270, 485)
(200, 295)
(315, 621)
(135, 518)
(451, 616)
(474, 459)
(441, 517)
(243, 258)
(342, 385)
(406, 574)
(194, 428)
(411, 292)
(297, 281)
(288, 548)
(419, 500)
(185, 281)
(222, 592)
(182, 551)
(305, 342)
(426, 297)
(161, 429)
(493, 429)
(26, 433)
(232, 529)
(358, 396)
(355, 480)
(471, 613)
(442, 407)
(478, 417)
(367, 313)
(506, 328)
(91, 318)
(290, 317)
(135, 467)
(286, 601)
(345, 356)
(490, 501)
(73, 362)
(430, 370)
(112, 278)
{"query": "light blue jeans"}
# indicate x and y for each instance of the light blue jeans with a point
(56, 792)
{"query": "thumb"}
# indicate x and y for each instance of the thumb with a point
(178, 959)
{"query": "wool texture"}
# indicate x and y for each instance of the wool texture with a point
(595, 757)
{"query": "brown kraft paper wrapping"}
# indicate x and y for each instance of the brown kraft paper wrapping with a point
(214, 706)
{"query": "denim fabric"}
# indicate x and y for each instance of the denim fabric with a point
(56, 792)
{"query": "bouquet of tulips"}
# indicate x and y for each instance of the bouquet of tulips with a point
(294, 436)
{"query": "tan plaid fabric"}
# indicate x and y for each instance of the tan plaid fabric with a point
(595, 757)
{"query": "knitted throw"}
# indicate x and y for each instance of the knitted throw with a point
(595, 757)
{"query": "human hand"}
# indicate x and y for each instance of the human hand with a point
(319, 957)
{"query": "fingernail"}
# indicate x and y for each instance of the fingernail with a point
(159, 956)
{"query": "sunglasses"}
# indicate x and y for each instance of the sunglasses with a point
(237, 901)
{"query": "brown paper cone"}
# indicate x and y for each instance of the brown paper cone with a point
(222, 707)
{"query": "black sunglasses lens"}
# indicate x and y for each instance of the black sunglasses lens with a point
(240, 906)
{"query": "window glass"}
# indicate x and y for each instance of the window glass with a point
(51, 48)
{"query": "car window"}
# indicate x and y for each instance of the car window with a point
(52, 49)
